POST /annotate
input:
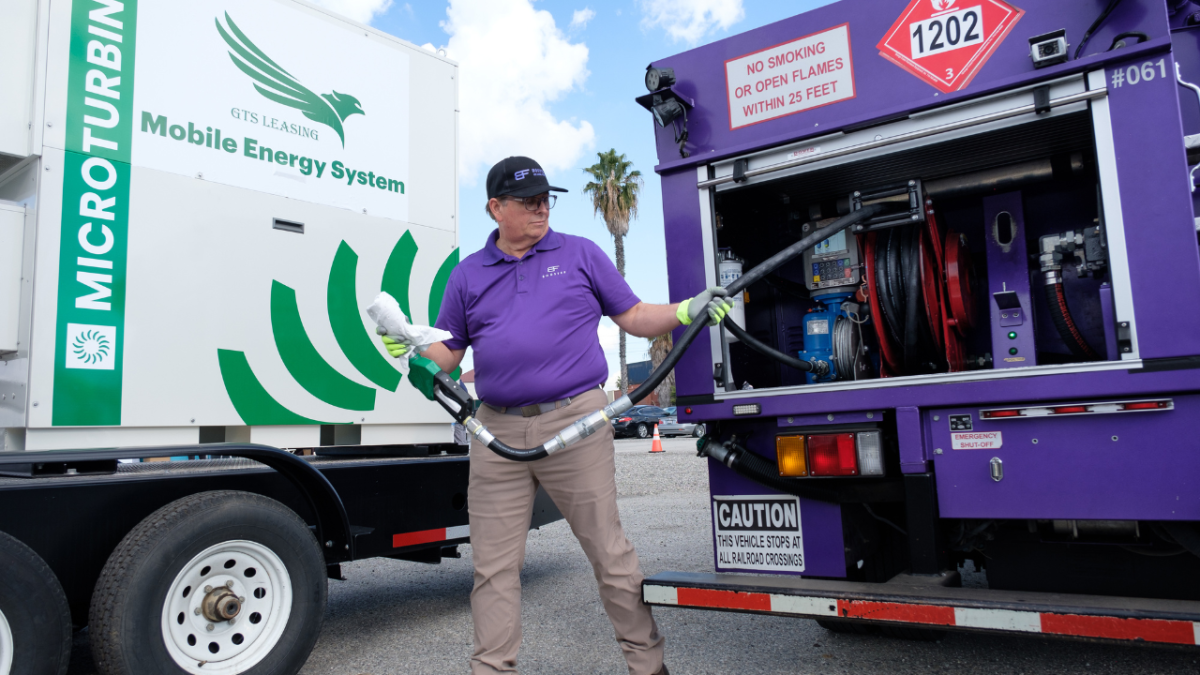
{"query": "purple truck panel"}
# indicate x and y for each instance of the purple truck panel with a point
(821, 523)
(1074, 470)
(1008, 272)
(1117, 466)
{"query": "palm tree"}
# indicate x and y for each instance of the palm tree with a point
(660, 346)
(614, 190)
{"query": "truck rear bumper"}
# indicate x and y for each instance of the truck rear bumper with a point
(923, 601)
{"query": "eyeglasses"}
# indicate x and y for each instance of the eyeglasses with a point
(535, 203)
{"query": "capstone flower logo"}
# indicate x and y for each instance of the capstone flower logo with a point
(91, 347)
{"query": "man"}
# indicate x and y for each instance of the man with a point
(530, 303)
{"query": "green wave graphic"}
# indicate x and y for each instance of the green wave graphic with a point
(305, 363)
(397, 274)
(346, 320)
(253, 403)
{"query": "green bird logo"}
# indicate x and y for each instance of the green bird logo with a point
(278, 85)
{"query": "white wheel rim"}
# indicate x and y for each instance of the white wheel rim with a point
(234, 646)
(6, 646)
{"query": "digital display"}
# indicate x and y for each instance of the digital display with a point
(834, 244)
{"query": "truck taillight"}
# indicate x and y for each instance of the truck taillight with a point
(870, 453)
(789, 454)
(832, 455)
(992, 414)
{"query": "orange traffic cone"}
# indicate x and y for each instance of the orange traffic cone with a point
(656, 446)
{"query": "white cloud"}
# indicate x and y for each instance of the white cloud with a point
(690, 20)
(361, 11)
(513, 62)
(581, 17)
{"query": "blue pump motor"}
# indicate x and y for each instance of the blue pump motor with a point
(830, 335)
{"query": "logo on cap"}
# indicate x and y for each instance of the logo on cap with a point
(520, 175)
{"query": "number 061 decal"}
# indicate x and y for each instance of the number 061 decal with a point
(947, 42)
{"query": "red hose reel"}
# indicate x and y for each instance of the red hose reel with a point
(945, 269)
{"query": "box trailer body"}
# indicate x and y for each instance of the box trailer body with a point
(1009, 349)
(208, 211)
(198, 200)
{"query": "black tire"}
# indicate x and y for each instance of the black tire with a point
(912, 633)
(34, 608)
(130, 604)
(847, 627)
(698, 431)
(642, 431)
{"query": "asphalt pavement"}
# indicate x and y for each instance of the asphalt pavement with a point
(392, 617)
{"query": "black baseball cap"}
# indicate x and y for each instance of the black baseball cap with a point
(518, 177)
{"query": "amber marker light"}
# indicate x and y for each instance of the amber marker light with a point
(789, 453)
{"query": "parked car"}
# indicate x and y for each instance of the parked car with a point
(670, 426)
(638, 421)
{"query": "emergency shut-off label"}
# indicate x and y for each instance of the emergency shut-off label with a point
(758, 532)
(803, 74)
(977, 440)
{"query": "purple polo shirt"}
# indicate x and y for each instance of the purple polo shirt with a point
(533, 321)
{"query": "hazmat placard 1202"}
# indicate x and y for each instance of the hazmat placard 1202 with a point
(803, 74)
(758, 532)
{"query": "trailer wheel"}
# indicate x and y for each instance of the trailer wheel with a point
(35, 622)
(843, 626)
(215, 583)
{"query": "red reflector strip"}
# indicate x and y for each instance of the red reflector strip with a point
(988, 414)
(702, 597)
(429, 536)
(1163, 631)
(1144, 405)
(1070, 410)
(892, 611)
(1150, 630)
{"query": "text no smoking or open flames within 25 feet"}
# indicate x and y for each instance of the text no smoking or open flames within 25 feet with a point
(792, 77)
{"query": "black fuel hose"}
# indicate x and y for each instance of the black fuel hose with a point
(589, 424)
(761, 470)
(763, 348)
(1056, 298)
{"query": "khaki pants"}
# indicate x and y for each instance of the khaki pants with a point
(581, 481)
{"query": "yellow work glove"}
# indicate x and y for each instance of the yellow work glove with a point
(395, 348)
(712, 301)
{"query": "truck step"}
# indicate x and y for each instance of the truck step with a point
(920, 601)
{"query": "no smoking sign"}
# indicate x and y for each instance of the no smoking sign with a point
(947, 42)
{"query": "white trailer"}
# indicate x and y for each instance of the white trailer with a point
(197, 201)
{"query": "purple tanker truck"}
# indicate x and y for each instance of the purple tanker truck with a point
(992, 371)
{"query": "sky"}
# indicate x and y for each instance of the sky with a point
(555, 80)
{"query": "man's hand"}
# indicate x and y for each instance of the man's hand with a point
(395, 348)
(711, 301)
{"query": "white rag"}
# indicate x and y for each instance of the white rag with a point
(390, 321)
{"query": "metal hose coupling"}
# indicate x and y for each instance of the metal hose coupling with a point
(480, 432)
(714, 449)
(587, 425)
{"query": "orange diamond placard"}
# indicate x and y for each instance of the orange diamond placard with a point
(947, 42)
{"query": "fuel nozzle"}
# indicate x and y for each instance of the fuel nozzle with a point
(429, 378)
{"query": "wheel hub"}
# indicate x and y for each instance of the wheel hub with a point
(220, 604)
(226, 609)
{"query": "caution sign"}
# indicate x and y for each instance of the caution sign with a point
(758, 532)
(803, 74)
(947, 42)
